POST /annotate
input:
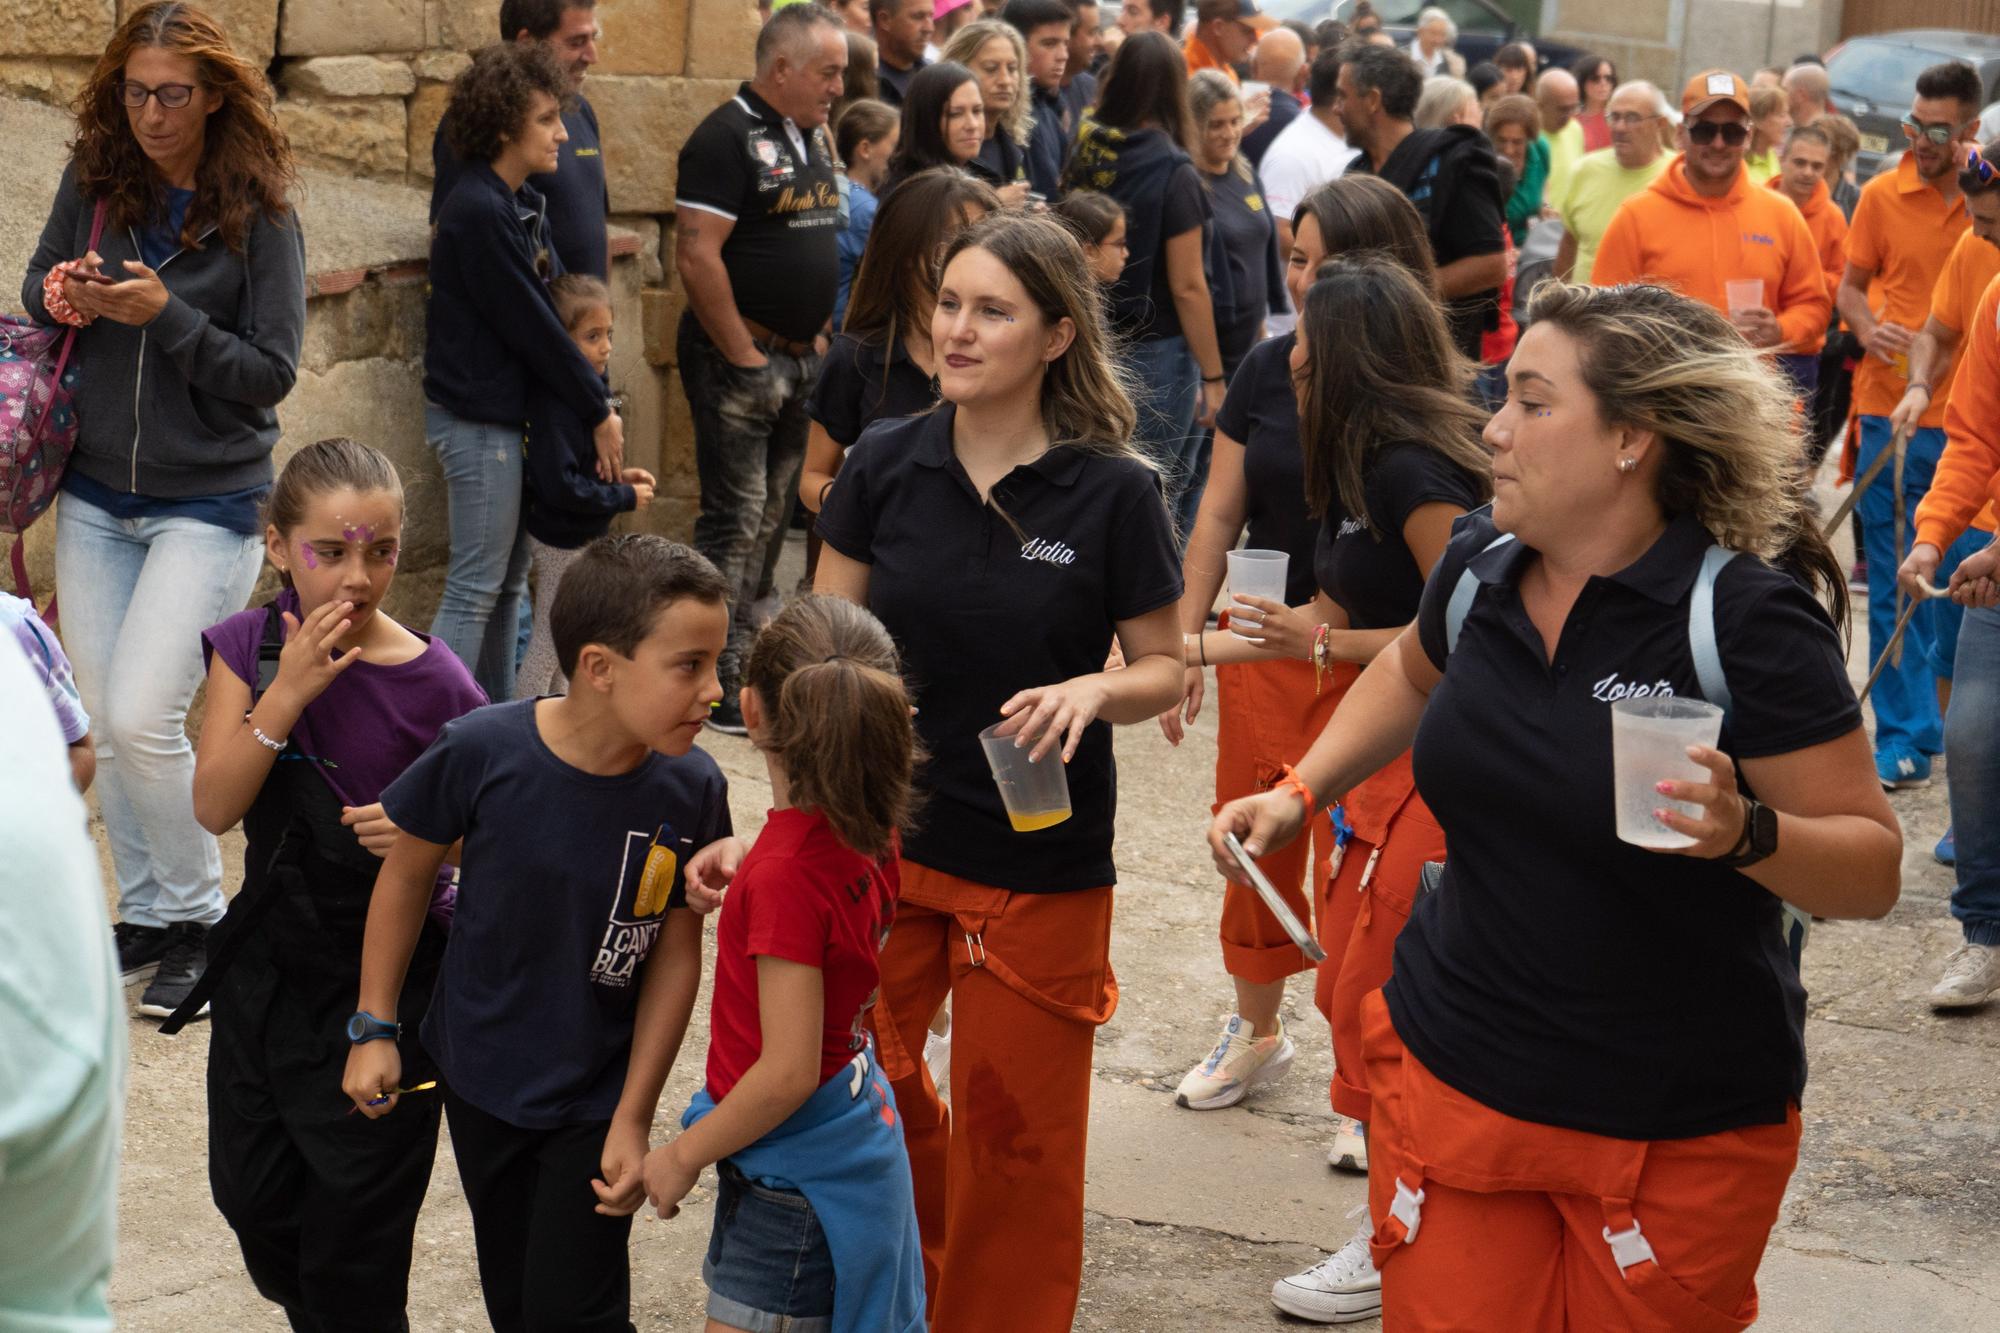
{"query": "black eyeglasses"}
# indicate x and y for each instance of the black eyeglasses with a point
(1705, 132)
(173, 96)
(1937, 134)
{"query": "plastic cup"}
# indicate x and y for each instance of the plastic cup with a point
(1649, 740)
(1744, 294)
(1036, 794)
(1256, 574)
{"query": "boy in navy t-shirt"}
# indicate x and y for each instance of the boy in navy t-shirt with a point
(573, 960)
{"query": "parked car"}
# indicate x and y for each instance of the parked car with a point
(1483, 26)
(1875, 76)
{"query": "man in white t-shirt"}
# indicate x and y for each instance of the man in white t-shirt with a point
(1307, 154)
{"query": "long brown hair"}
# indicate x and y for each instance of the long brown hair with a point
(1086, 400)
(1381, 369)
(1659, 362)
(246, 166)
(1146, 84)
(838, 718)
(1362, 212)
(896, 284)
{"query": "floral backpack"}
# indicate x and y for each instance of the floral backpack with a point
(37, 419)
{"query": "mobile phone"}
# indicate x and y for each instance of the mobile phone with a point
(1279, 907)
(94, 276)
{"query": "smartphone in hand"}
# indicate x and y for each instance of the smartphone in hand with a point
(1280, 909)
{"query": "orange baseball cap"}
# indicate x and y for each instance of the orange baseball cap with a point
(1710, 86)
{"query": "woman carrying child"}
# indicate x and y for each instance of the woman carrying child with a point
(492, 336)
(315, 703)
(793, 1093)
(567, 505)
(1024, 485)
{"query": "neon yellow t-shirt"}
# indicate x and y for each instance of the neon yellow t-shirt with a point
(1565, 149)
(1597, 185)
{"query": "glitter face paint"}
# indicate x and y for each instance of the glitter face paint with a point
(358, 533)
(308, 555)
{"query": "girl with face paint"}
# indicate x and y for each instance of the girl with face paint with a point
(315, 703)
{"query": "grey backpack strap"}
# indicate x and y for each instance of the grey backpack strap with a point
(1463, 593)
(1701, 629)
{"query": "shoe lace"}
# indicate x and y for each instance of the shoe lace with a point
(1967, 961)
(1350, 1263)
(186, 951)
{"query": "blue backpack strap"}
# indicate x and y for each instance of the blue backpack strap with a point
(1463, 594)
(1701, 630)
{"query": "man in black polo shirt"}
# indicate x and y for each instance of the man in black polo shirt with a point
(757, 217)
(1450, 174)
(902, 30)
(577, 195)
(1045, 27)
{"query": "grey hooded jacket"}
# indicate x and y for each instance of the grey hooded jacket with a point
(186, 405)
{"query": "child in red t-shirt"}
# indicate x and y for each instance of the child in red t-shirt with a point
(816, 1216)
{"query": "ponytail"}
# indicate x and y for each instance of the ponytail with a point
(838, 719)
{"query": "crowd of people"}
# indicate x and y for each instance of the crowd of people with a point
(1525, 372)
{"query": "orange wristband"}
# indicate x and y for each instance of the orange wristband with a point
(1293, 782)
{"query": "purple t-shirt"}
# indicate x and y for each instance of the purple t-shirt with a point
(373, 721)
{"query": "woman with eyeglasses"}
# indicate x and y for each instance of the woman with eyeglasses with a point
(174, 252)
(1596, 79)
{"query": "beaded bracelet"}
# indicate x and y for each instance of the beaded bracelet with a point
(275, 747)
(1294, 783)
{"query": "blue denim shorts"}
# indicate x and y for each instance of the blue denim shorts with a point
(768, 1268)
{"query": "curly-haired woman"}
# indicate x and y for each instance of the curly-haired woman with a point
(492, 331)
(190, 310)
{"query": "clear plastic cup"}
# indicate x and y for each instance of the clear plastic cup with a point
(1257, 574)
(1744, 294)
(1649, 740)
(1036, 794)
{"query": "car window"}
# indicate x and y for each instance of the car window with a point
(1884, 73)
(1395, 13)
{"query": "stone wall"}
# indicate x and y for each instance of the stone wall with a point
(362, 84)
(1669, 41)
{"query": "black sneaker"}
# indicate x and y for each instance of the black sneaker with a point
(181, 966)
(727, 716)
(139, 948)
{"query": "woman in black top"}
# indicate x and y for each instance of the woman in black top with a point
(995, 54)
(1269, 709)
(1006, 539)
(1246, 277)
(881, 365)
(944, 123)
(1134, 147)
(1590, 1055)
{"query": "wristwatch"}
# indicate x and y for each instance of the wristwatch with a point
(1759, 838)
(364, 1026)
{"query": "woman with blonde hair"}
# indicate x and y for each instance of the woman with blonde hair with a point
(173, 249)
(1770, 118)
(998, 59)
(1023, 484)
(1587, 1063)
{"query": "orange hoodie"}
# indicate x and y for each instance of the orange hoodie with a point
(1968, 475)
(1195, 51)
(1828, 226)
(1669, 234)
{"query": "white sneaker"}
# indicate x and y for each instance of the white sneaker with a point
(937, 1055)
(1350, 1146)
(1971, 974)
(1342, 1288)
(1236, 1065)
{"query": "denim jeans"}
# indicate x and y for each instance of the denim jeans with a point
(749, 442)
(1168, 400)
(1972, 751)
(479, 615)
(136, 595)
(1905, 698)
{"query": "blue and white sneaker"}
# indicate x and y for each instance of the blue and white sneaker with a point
(1237, 1064)
(1350, 1146)
(1946, 851)
(1901, 771)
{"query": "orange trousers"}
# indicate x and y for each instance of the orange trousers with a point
(1486, 1223)
(1364, 906)
(1267, 716)
(999, 1172)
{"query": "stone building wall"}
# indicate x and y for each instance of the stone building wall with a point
(362, 84)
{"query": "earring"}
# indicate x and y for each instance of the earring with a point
(1628, 464)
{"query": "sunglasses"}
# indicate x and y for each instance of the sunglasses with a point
(174, 96)
(1937, 134)
(1705, 132)
(1979, 166)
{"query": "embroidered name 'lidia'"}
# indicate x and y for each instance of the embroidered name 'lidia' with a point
(1054, 553)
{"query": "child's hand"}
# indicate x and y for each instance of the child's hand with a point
(373, 828)
(624, 1160)
(609, 437)
(709, 873)
(642, 483)
(307, 665)
(667, 1181)
(642, 494)
(374, 1072)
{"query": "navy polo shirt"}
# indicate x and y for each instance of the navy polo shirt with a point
(861, 383)
(1261, 413)
(1361, 560)
(983, 608)
(1559, 975)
